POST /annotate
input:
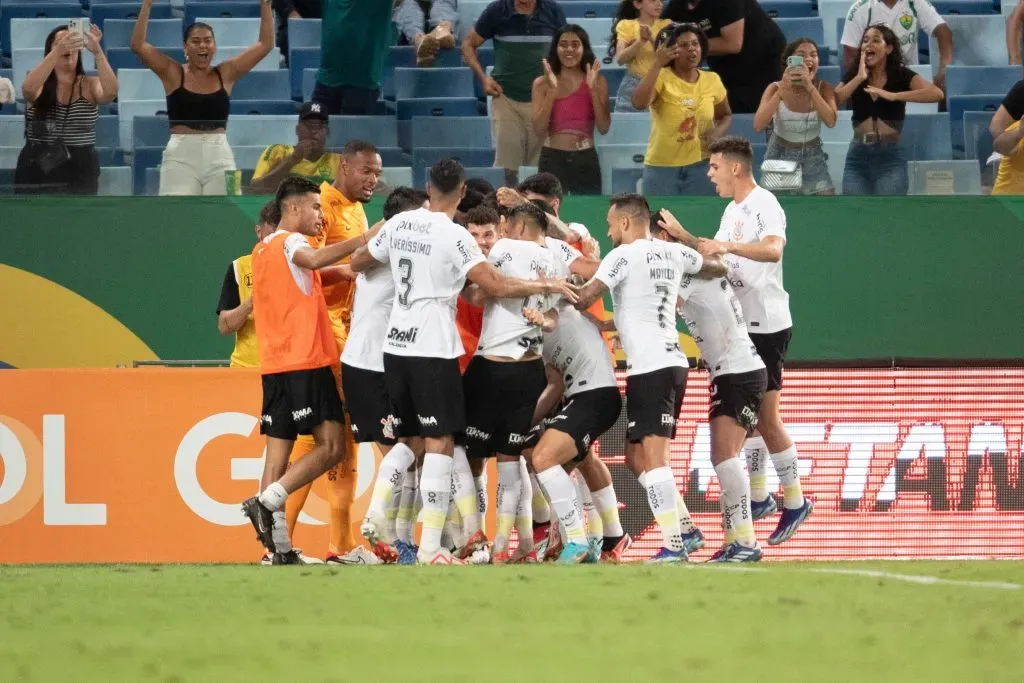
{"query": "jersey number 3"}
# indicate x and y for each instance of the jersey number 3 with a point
(404, 281)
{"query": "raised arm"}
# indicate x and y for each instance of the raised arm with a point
(543, 93)
(104, 87)
(497, 286)
(669, 224)
(646, 90)
(32, 86)
(155, 60)
(1015, 34)
(315, 259)
(845, 90)
(599, 97)
(770, 99)
(231, 70)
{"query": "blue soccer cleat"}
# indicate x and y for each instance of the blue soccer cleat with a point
(666, 556)
(596, 545)
(406, 552)
(693, 541)
(734, 553)
(574, 553)
(790, 522)
(759, 509)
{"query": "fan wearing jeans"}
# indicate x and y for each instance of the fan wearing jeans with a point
(795, 107)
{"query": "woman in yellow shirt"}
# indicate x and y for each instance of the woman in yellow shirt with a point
(636, 25)
(689, 109)
(1007, 135)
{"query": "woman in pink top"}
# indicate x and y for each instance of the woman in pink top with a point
(569, 100)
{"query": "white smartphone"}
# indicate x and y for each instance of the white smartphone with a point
(80, 28)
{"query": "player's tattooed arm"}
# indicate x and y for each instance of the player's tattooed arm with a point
(673, 227)
(768, 250)
(497, 286)
(551, 395)
(713, 267)
(590, 292)
(545, 321)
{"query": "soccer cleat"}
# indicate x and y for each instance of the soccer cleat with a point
(442, 556)
(666, 556)
(574, 553)
(718, 554)
(693, 541)
(595, 544)
(476, 542)
(540, 538)
(555, 545)
(500, 557)
(262, 521)
(358, 555)
(266, 560)
(406, 553)
(525, 557)
(734, 553)
(304, 559)
(290, 557)
(790, 522)
(614, 556)
(759, 509)
(386, 553)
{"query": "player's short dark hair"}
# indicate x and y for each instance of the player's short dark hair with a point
(544, 206)
(633, 203)
(354, 147)
(483, 214)
(403, 199)
(447, 175)
(529, 211)
(734, 147)
(477, 192)
(293, 186)
(270, 214)
(543, 183)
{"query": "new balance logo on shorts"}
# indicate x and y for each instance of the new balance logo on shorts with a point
(427, 421)
(299, 414)
(667, 420)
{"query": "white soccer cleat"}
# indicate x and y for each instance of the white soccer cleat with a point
(358, 555)
(482, 556)
(441, 556)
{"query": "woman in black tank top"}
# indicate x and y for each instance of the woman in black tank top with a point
(199, 102)
(59, 156)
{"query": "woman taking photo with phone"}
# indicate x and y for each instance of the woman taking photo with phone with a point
(878, 89)
(61, 111)
(198, 102)
(794, 108)
(636, 24)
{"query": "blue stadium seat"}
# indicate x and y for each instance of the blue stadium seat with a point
(233, 31)
(743, 126)
(380, 130)
(150, 131)
(129, 111)
(789, 8)
(598, 30)
(977, 139)
(115, 181)
(264, 107)
(144, 158)
(966, 176)
(469, 12)
(227, 8)
(12, 130)
(981, 80)
(831, 13)
(299, 60)
(965, 7)
(433, 82)
(926, 137)
(162, 33)
(627, 129)
(964, 103)
(425, 157)
(979, 40)
(445, 131)
(308, 83)
(614, 75)
(304, 32)
(806, 27)
(272, 84)
(619, 156)
(437, 106)
(124, 58)
(138, 84)
(589, 9)
(127, 10)
(831, 74)
(396, 176)
(27, 34)
(495, 176)
(32, 10)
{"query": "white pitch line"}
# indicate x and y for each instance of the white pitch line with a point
(924, 580)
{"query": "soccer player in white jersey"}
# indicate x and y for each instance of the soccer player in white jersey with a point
(431, 258)
(751, 238)
(591, 405)
(506, 376)
(644, 278)
(362, 376)
(738, 381)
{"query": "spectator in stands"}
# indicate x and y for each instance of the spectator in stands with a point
(569, 100)
(522, 32)
(308, 158)
(1015, 34)
(795, 108)
(354, 43)
(689, 109)
(906, 18)
(6, 92)
(292, 9)
(636, 24)
(1007, 134)
(428, 31)
(61, 111)
(878, 90)
(198, 102)
(744, 45)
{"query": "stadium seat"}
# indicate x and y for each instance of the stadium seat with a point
(397, 176)
(743, 126)
(32, 10)
(433, 82)
(271, 84)
(627, 129)
(835, 154)
(115, 181)
(150, 131)
(437, 106)
(444, 131)
(598, 30)
(233, 31)
(162, 33)
(300, 61)
(965, 7)
(944, 177)
(264, 107)
(144, 158)
(30, 34)
(981, 80)
(788, 8)
(304, 33)
(469, 12)
(9, 156)
(272, 62)
(964, 103)
(1006, 7)
(308, 83)
(380, 130)
(227, 8)
(12, 130)
(627, 180)
(124, 58)
(842, 132)
(831, 74)
(926, 137)
(619, 156)
(129, 110)
(833, 13)
(806, 27)
(977, 139)
(425, 157)
(614, 75)
(138, 84)
(107, 134)
(495, 176)
(127, 10)
(979, 40)
(589, 9)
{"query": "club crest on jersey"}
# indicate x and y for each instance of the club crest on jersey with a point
(737, 231)
(906, 21)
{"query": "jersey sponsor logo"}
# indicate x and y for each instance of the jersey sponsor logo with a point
(413, 226)
(505, 258)
(301, 413)
(403, 336)
(467, 253)
(429, 421)
(477, 433)
(619, 265)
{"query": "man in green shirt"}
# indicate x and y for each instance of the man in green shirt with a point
(354, 42)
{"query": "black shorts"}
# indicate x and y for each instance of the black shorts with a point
(425, 394)
(295, 402)
(500, 400)
(653, 400)
(739, 397)
(772, 349)
(586, 416)
(369, 408)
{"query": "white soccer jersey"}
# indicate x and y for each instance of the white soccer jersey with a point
(758, 285)
(505, 332)
(644, 277)
(564, 253)
(906, 18)
(577, 349)
(429, 257)
(715, 319)
(371, 310)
